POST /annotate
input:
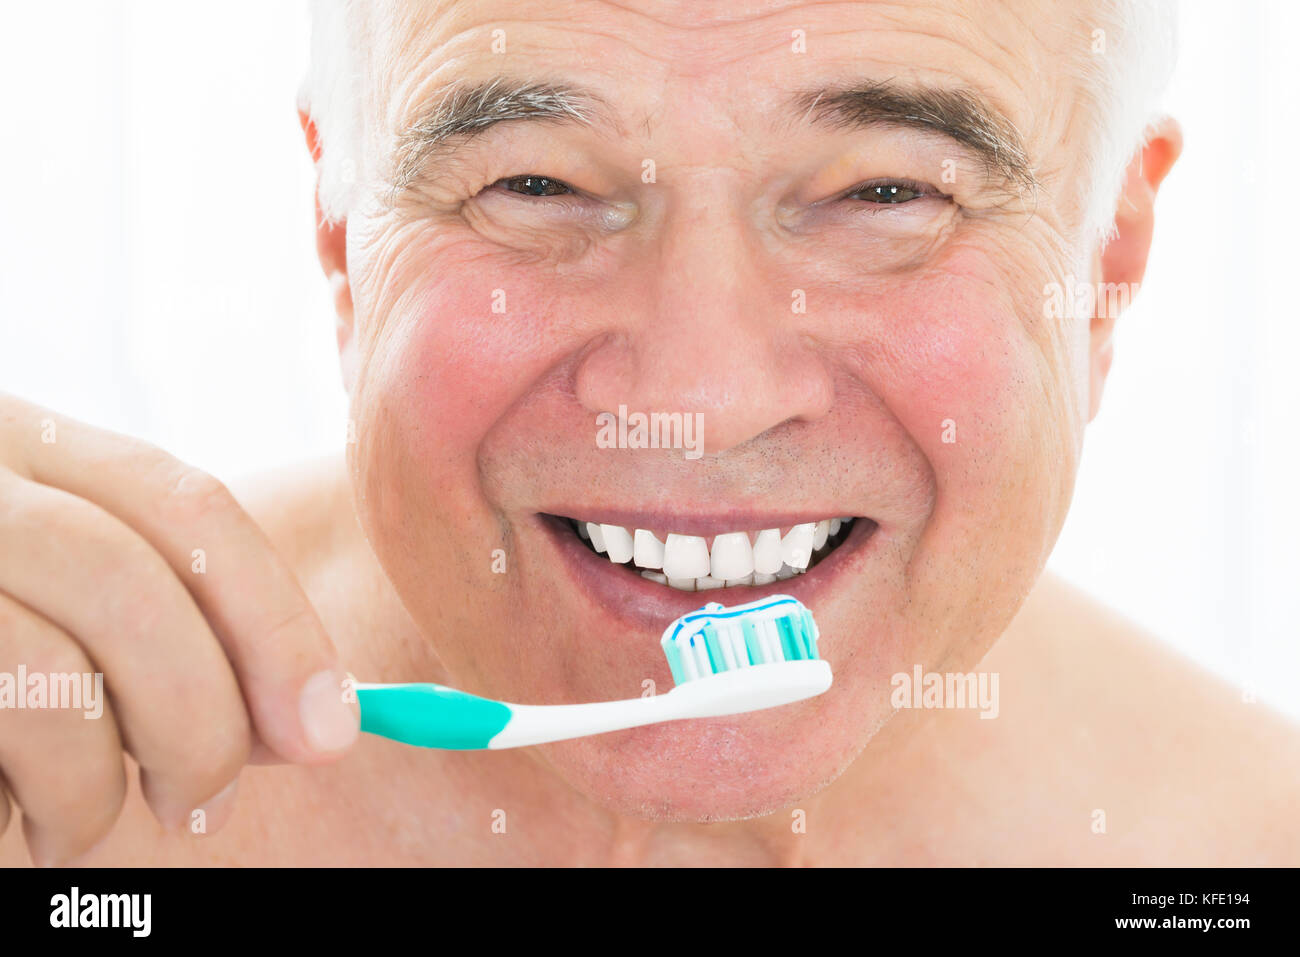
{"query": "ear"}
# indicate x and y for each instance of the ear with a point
(1124, 259)
(332, 251)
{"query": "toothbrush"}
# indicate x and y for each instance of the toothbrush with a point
(724, 661)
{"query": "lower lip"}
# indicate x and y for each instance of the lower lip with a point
(646, 605)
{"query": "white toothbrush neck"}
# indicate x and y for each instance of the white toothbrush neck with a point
(539, 724)
(731, 692)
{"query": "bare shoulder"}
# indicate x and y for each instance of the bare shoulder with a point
(1185, 766)
(307, 512)
(305, 509)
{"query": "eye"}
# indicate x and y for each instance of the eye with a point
(531, 185)
(894, 192)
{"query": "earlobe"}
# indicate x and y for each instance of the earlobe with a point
(1122, 264)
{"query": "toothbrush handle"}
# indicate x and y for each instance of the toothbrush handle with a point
(431, 716)
(435, 716)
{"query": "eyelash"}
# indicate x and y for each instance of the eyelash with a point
(921, 190)
(567, 189)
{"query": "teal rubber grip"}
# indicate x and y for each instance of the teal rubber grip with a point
(432, 716)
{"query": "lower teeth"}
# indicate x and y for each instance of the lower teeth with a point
(707, 584)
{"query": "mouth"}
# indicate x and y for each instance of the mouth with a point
(649, 568)
(732, 559)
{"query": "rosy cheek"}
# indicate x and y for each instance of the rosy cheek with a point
(459, 352)
(954, 365)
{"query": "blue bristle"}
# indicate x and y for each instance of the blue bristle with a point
(674, 661)
(715, 653)
(751, 643)
(787, 633)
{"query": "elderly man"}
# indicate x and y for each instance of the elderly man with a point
(838, 238)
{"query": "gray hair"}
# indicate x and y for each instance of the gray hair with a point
(1123, 59)
(1123, 69)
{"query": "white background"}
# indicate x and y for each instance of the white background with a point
(158, 277)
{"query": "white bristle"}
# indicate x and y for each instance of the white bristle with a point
(728, 650)
(770, 640)
(688, 665)
(738, 645)
(701, 652)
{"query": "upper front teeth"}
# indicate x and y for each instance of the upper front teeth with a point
(732, 556)
(647, 551)
(685, 561)
(686, 556)
(767, 552)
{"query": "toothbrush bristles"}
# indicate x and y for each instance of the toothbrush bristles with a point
(717, 639)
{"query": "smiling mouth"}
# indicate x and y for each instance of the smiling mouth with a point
(725, 560)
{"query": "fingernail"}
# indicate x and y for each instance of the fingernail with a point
(199, 824)
(172, 814)
(178, 816)
(220, 798)
(327, 721)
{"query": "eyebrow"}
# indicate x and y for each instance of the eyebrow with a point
(466, 110)
(959, 114)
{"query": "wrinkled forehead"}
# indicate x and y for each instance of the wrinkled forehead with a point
(652, 59)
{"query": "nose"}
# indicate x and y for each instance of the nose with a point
(706, 328)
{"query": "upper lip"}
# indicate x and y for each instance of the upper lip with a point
(687, 522)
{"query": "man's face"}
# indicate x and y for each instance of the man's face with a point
(851, 356)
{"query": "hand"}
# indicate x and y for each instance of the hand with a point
(117, 558)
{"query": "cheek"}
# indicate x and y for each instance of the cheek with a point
(449, 359)
(957, 369)
(975, 376)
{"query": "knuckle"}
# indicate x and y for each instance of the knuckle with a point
(191, 495)
(294, 622)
